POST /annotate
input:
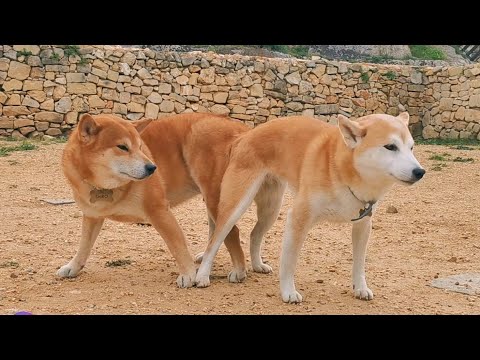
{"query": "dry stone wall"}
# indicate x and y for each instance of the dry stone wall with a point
(45, 88)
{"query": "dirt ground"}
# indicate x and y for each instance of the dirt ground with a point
(435, 233)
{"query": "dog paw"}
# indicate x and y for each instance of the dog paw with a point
(262, 268)
(237, 276)
(185, 281)
(198, 258)
(69, 271)
(363, 293)
(202, 281)
(292, 297)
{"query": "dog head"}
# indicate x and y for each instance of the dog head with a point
(382, 148)
(111, 151)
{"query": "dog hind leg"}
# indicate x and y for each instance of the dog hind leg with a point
(269, 201)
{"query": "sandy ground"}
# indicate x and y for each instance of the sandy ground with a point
(434, 234)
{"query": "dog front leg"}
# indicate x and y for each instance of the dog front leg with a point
(360, 235)
(90, 230)
(168, 228)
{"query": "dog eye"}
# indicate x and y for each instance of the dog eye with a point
(411, 149)
(123, 147)
(391, 147)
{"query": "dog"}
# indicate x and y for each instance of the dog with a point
(338, 173)
(133, 171)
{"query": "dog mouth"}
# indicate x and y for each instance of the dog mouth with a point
(406, 182)
(134, 177)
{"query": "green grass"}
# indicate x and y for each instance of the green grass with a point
(55, 140)
(438, 167)
(365, 77)
(10, 264)
(83, 61)
(451, 142)
(391, 75)
(24, 146)
(72, 50)
(24, 52)
(55, 56)
(379, 59)
(460, 159)
(426, 52)
(299, 51)
(115, 263)
(438, 157)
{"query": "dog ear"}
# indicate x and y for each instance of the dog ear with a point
(87, 128)
(404, 117)
(140, 125)
(351, 131)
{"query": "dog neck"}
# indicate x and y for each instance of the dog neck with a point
(367, 209)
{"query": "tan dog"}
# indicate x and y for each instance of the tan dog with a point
(338, 174)
(110, 164)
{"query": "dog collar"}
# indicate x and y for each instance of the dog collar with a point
(97, 194)
(366, 210)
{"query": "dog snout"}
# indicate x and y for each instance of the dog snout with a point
(150, 168)
(418, 173)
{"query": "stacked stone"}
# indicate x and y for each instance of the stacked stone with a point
(44, 91)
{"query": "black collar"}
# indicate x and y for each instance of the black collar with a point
(367, 210)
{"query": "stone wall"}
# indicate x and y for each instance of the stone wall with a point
(45, 88)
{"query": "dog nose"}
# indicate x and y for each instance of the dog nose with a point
(150, 168)
(418, 173)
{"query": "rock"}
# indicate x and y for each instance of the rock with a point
(64, 105)
(182, 80)
(14, 99)
(129, 59)
(416, 77)
(82, 88)
(319, 71)
(446, 104)
(15, 110)
(28, 101)
(472, 115)
(41, 126)
(3, 98)
(27, 130)
(76, 77)
(207, 76)
(48, 105)
(120, 108)
(429, 132)
(34, 49)
(11, 85)
(151, 111)
(58, 92)
(53, 132)
(155, 98)
(144, 74)
(96, 102)
(474, 101)
(135, 107)
(71, 117)
(107, 83)
(391, 209)
(455, 71)
(294, 106)
(49, 117)
(32, 85)
(18, 70)
(6, 123)
(113, 75)
(293, 78)
(326, 109)
(125, 69)
(164, 88)
(256, 90)
(220, 98)
(167, 106)
(220, 109)
(18, 123)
